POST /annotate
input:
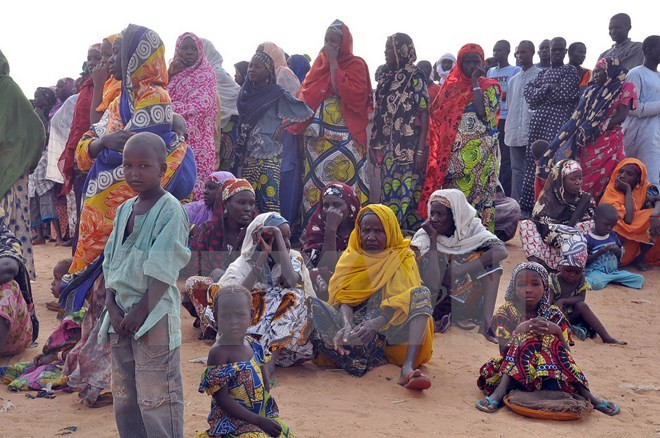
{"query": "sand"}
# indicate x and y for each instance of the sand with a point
(325, 403)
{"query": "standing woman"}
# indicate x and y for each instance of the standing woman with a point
(194, 94)
(463, 142)
(265, 109)
(398, 136)
(338, 90)
(23, 138)
(593, 135)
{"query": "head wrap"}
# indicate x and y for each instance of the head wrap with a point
(242, 68)
(356, 95)
(315, 231)
(511, 296)
(442, 73)
(284, 76)
(571, 166)
(268, 62)
(95, 46)
(445, 116)
(226, 85)
(234, 186)
(220, 177)
(275, 220)
(300, 66)
(469, 233)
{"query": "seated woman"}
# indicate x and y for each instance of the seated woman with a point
(201, 211)
(19, 326)
(638, 203)
(215, 245)
(534, 340)
(465, 260)
(562, 213)
(280, 286)
(378, 310)
(327, 232)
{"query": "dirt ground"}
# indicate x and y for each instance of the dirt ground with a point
(323, 403)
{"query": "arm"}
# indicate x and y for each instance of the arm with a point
(138, 314)
(115, 313)
(234, 409)
(289, 275)
(477, 94)
(578, 214)
(644, 109)
(566, 91)
(494, 255)
(99, 76)
(329, 254)
(420, 152)
(622, 112)
(535, 91)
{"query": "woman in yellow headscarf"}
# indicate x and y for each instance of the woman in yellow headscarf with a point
(378, 310)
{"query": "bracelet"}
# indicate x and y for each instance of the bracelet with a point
(420, 153)
(476, 88)
(60, 356)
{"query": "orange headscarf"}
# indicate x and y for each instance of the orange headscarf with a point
(112, 87)
(446, 114)
(638, 230)
(360, 274)
(353, 84)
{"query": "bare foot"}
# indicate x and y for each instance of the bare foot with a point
(59, 242)
(615, 341)
(38, 241)
(488, 337)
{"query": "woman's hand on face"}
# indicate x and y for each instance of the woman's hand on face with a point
(333, 219)
(330, 51)
(621, 186)
(433, 234)
(478, 73)
(341, 339)
(263, 238)
(100, 74)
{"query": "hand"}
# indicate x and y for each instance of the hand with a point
(363, 333)
(373, 157)
(271, 427)
(341, 339)
(116, 318)
(134, 319)
(560, 303)
(333, 219)
(263, 238)
(100, 74)
(433, 234)
(621, 186)
(476, 74)
(116, 140)
(420, 162)
(331, 52)
(176, 66)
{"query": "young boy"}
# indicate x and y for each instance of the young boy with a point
(568, 291)
(60, 269)
(605, 250)
(143, 256)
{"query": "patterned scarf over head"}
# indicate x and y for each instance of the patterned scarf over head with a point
(395, 115)
(543, 308)
(588, 121)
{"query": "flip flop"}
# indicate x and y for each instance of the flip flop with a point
(465, 324)
(488, 405)
(608, 408)
(442, 325)
(417, 381)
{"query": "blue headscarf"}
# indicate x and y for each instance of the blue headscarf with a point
(299, 64)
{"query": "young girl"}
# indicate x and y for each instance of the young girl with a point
(605, 251)
(534, 340)
(236, 376)
(569, 289)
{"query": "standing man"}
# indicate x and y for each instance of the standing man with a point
(552, 97)
(641, 130)
(544, 54)
(577, 52)
(502, 72)
(624, 49)
(517, 121)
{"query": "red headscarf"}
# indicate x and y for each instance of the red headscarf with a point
(353, 84)
(446, 113)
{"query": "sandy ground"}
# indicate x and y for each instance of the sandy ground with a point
(323, 403)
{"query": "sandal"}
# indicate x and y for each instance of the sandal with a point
(488, 405)
(466, 324)
(607, 408)
(442, 325)
(417, 381)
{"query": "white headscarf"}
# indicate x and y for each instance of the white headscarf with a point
(470, 233)
(239, 269)
(442, 74)
(286, 78)
(227, 87)
(60, 125)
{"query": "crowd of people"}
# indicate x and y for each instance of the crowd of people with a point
(310, 217)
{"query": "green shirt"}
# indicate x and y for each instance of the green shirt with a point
(156, 249)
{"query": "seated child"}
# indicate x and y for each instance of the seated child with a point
(538, 149)
(605, 250)
(568, 291)
(236, 376)
(60, 269)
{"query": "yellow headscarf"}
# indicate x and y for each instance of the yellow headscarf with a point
(112, 87)
(360, 274)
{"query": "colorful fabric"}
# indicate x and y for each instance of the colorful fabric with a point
(462, 148)
(198, 212)
(60, 127)
(533, 362)
(332, 154)
(112, 87)
(552, 97)
(353, 86)
(225, 83)
(264, 175)
(245, 384)
(534, 245)
(591, 118)
(144, 106)
(574, 252)
(579, 289)
(194, 96)
(469, 233)
(15, 313)
(386, 346)
(25, 376)
(554, 207)
(15, 216)
(605, 269)
(233, 187)
(21, 130)
(638, 231)
(299, 65)
(401, 190)
(17, 290)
